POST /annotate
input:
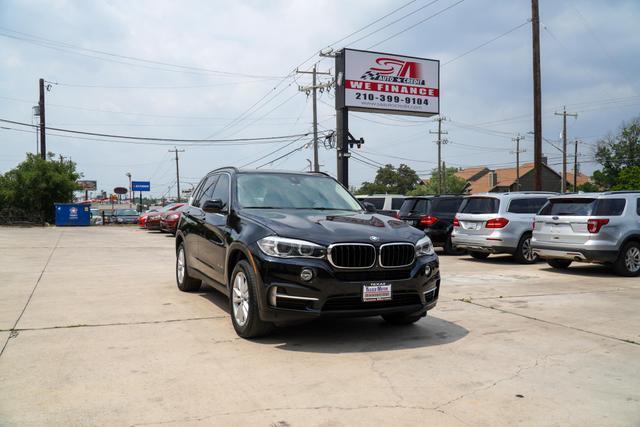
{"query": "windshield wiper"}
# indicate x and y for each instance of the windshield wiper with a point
(262, 207)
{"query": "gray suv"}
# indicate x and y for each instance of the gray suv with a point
(601, 228)
(492, 223)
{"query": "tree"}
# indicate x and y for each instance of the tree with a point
(588, 187)
(616, 153)
(32, 187)
(390, 180)
(453, 184)
(628, 179)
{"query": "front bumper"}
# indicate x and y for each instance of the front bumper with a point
(284, 296)
(579, 253)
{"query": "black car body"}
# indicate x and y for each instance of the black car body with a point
(434, 215)
(304, 261)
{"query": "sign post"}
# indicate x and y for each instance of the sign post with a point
(374, 82)
(140, 186)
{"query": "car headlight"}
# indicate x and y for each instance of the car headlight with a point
(290, 248)
(424, 247)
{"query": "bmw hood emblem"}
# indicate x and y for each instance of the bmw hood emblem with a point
(374, 238)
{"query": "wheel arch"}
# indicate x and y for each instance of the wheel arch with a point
(237, 252)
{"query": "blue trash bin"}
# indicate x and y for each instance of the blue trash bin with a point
(72, 214)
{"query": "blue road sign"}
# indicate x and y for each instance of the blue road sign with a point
(140, 185)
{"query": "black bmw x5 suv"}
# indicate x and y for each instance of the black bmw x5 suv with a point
(287, 246)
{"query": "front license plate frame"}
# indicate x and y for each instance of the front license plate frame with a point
(377, 292)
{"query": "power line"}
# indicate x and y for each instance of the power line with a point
(141, 138)
(416, 24)
(271, 153)
(103, 86)
(49, 43)
(487, 42)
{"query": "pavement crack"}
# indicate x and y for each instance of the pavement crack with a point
(549, 322)
(14, 328)
(100, 325)
(385, 378)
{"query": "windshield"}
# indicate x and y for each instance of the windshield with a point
(480, 205)
(293, 191)
(121, 212)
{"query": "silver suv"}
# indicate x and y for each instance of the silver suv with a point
(493, 223)
(602, 228)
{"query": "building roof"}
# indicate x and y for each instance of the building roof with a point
(468, 173)
(581, 179)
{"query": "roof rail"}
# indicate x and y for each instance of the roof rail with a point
(235, 169)
(622, 192)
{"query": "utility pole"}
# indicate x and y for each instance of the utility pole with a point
(517, 140)
(564, 115)
(175, 150)
(440, 141)
(537, 97)
(575, 166)
(314, 89)
(43, 134)
(128, 174)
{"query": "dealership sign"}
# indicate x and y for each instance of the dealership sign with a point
(385, 83)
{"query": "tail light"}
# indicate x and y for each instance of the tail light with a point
(456, 223)
(397, 215)
(172, 217)
(533, 226)
(497, 223)
(594, 225)
(428, 220)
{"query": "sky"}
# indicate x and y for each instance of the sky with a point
(226, 70)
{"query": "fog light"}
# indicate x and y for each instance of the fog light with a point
(427, 270)
(306, 274)
(272, 295)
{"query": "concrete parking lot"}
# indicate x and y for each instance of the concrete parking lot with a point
(94, 331)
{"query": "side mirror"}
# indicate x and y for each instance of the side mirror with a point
(369, 207)
(213, 206)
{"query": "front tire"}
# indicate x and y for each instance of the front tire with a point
(478, 255)
(524, 253)
(185, 282)
(628, 262)
(243, 303)
(401, 319)
(560, 264)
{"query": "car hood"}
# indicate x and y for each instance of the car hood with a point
(326, 227)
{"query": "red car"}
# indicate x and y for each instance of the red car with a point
(142, 219)
(169, 220)
(153, 219)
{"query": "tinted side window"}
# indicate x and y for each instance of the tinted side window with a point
(638, 206)
(378, 202)
(526, 206)
(445, 206)
(396, 203)
(610, 207)
(207, 191)
(222, 190)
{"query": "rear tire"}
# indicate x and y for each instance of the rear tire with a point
(628, 262)
(560, 264)
(401, 319)
(524, 254)
(478, 255)
(243, 303)
(185, 282)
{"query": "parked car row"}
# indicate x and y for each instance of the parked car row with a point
(601, 228)
(117, 216)
(163, 219)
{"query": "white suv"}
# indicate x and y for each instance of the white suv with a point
(386, 204)
(602, 228)
(492, 223)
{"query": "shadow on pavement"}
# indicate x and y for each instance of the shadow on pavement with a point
(590, 270)
(353, 335)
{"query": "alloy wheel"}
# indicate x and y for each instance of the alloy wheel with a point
(180, 266)
(240, 299)
(527, 250)
(632, 259)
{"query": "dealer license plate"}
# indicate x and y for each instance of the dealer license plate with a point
(376, 292)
